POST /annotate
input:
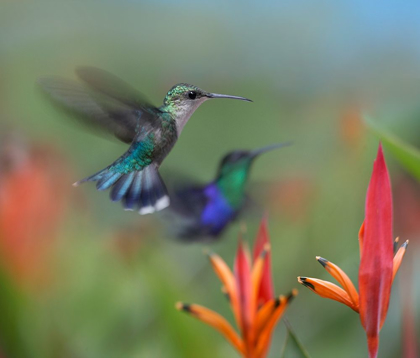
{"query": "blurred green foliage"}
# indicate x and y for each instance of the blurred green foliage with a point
(115, 276)
(407, 155)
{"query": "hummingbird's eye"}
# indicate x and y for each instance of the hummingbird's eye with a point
(192, 95)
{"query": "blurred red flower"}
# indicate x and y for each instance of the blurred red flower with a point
(33, 195)
(249, 289)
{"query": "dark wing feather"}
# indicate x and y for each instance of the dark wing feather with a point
(112, 107)
(182, 219)
(112, 86)
(186, 192)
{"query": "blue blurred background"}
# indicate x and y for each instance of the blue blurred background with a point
(82, 278)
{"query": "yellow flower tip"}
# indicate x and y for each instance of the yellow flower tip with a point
(225, 293)
(266, 249)
(182, 306)
(302, 280)
(396, 244)
(207, 252)
(291, 295)
(322, 261)
(398, 257)
(294, 292)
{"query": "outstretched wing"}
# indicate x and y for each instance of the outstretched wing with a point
(112, 86)
(106, 102)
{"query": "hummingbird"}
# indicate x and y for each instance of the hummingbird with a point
(107, 102)
(204, 211)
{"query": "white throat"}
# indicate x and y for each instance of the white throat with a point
(185, 112)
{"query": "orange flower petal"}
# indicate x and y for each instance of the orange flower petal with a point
(265, 336)
(228, 280)
(342, 278)
(398, 258)
(328, 290)
(264, 314)
(214, 320)
(256, 277)
(266, 290)
(244, 289)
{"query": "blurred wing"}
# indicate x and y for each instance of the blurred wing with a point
(111, 86)
(183, 218)
(189, 201)
(114, 110)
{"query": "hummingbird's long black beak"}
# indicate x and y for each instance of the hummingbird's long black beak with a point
(259, 151)
(216, 95)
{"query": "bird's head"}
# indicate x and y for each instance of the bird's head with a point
(239, 161)
(183, 99)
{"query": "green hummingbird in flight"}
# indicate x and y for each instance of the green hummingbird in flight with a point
(105, 101)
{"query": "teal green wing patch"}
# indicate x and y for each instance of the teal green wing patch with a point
(138, 156)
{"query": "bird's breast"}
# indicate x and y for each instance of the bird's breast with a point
(165, 139)
(217, 212)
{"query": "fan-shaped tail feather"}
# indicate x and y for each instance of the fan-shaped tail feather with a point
(142, 190)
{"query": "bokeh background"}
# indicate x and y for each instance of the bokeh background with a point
(82, 278)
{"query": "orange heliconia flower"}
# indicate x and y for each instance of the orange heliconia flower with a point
(249, 289)
(378, 264)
